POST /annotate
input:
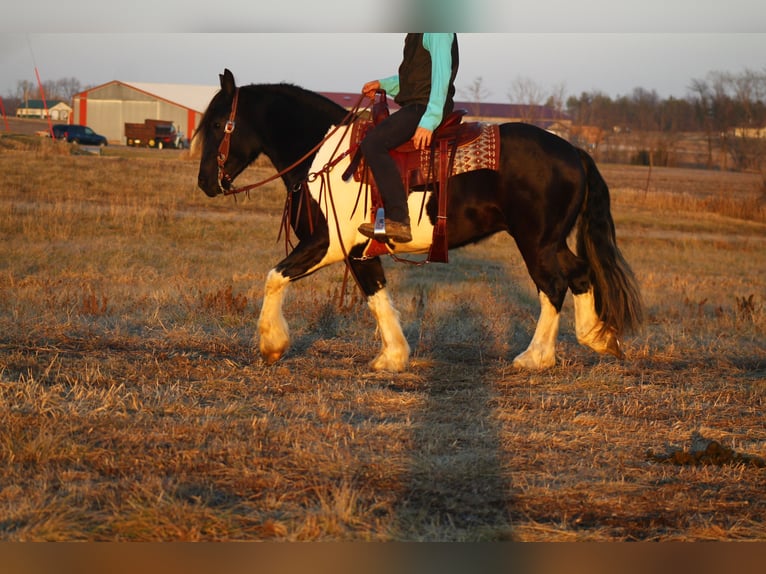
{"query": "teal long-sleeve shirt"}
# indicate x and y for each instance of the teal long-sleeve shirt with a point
(440, 48)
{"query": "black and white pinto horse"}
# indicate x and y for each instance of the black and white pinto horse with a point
(543, 188)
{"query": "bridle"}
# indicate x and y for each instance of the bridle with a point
(223, 149)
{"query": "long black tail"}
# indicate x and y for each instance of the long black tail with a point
(616, 291)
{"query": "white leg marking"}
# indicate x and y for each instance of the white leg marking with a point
(541, 353)
(587, 324)
(590, 330)
(395, 351)
(275, 335)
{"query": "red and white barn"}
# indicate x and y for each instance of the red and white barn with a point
(108, 107)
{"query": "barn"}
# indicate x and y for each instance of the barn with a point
(108, 107)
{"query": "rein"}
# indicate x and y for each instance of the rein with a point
(223, 149)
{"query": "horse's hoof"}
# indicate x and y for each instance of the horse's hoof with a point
(271, 358)
(603, 342)
(382, 363)
(613, 347)
(528, 362)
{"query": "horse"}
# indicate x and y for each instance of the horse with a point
(543, 188)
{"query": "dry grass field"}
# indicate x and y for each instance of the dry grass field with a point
(133, 406)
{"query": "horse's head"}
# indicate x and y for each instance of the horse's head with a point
(282, 121)
(220, 164)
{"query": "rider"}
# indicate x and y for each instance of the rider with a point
(424, 88)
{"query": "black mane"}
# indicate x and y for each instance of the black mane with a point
(304, 100)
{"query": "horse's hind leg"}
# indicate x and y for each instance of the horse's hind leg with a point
(545, 270)
(590, 330)
(272, 327)
(541, 352)
(395, 351)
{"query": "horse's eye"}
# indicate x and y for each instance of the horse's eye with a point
(217, 125)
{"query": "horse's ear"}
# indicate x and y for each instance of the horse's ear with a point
(227, 82)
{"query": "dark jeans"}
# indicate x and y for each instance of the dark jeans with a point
(395, 130)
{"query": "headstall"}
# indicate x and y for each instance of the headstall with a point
(223, 149)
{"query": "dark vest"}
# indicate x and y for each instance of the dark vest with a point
(415, 74)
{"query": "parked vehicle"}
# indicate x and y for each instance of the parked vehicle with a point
(78, 134)
(154, 133)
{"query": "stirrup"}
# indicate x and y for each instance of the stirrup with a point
(379, 230)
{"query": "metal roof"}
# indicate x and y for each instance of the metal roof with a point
(190, 96)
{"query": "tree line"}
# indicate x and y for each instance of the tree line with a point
(729, 109)
(720, 102)
(62, 89)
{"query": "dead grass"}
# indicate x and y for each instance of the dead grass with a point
(731, 194)
(133, 407)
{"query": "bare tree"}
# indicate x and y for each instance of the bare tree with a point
(26, 90)
(705, 113)
(526, 92)
(747, 143)
(66, 88)
(723, 112)
(557, 99)
(61, 89)
(476, 93)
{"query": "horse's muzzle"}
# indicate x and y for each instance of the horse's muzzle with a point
(210, 185)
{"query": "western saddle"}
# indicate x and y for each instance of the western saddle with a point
(420, 170)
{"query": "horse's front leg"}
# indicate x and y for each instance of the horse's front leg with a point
(272, 327)
(308, 256)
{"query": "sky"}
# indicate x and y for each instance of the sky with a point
(574, 46)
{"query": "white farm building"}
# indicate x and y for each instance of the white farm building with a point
(108, 107)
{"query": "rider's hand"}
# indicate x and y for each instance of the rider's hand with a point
(370, 88)
(422, 138)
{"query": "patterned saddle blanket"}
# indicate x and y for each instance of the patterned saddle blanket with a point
(471, 146)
